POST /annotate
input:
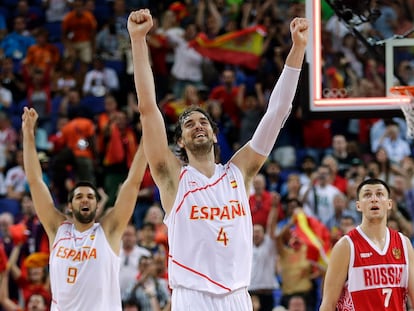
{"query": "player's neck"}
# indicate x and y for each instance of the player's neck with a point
(81, 227)
(375, 232)
(204, 165)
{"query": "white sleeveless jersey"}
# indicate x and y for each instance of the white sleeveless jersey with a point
(210, 232)
(84, 271)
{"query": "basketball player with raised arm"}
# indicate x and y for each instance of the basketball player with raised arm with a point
(84, 254)
(206, 204)
(370, 268)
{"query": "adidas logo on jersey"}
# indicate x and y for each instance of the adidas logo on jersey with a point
(366, 255)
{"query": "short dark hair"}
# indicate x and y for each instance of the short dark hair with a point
(296, 200)
(149, 225)
(83, 183)
(373, 181)
(181, 153)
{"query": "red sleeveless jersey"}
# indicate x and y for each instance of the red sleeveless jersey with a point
(377, 279)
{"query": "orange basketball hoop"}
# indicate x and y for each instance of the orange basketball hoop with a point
(407, 107)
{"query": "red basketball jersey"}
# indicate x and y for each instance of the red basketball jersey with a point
(377, 279)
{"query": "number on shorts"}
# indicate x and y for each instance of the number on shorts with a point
(387, 292)
(72, 274)
(222, 237)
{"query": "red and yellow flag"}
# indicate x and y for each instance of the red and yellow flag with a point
(316, 236)
(243, 47)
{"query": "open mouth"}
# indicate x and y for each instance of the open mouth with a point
(200, 135)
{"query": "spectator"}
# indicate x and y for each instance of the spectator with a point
(149, 291)
(37, 240)
(34, 18)
(65, 77)
(130, 255)
(172, 109)
(293, 187)
(78, 35)
(16, 43)
(100, 80)
(11, 80)
(378, 130)
(340, 152)
(55, 10)
(41, 55)
(263, 280)
(79, 135)
(296, 270)
(388, 170)
(15, 178)
(120, 145)
(308, 168)
(260, 201)
(252, 111)
(227, 93)
(6, 98)
(37, 279)
(338, 181)
(187, 64)
(147, 240)
(108, 43)
(39, 94)
(227, 131)
(318, 198)
(395, 147)
(296, 303)
(159, 48)
(208, 18)
(341, 211)
(155, 215)
(37, 302)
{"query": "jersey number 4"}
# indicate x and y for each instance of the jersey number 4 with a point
(222, 237)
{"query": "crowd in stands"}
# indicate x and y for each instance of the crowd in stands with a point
(71, 61)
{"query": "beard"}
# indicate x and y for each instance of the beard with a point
(84, 219)
(200, 149)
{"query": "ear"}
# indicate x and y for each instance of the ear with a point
(357, 206)
(69, 208)
(390, 203)
(215, 140)
(180, 143)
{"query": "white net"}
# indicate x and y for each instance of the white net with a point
(406, 108)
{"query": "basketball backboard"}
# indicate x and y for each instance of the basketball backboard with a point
(321, 105)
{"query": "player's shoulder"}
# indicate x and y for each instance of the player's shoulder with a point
(343, 244)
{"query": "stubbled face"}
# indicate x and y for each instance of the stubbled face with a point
(374, 201)
(197, 134)
(84, 205)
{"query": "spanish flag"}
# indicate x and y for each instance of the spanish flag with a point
(317, 237)
(243, 47)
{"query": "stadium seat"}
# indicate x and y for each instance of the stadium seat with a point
(94, 104)
(55, 31)
(11, 206)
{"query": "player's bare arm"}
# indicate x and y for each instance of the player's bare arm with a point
(48, 215)
(165, 167)
(116, 220)
(410, 272)
(336, 275)
(251, 157)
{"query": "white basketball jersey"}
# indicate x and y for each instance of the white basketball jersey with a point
(210, 232)
(84, 271)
